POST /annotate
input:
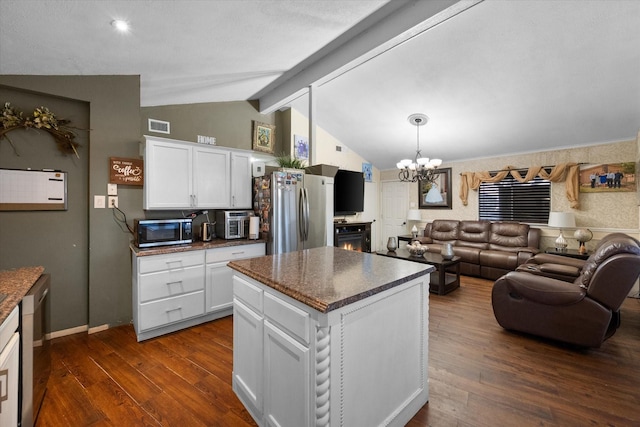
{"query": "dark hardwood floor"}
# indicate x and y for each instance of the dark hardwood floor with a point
(480, 375)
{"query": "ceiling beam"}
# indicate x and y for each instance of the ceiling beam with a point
(391, 25)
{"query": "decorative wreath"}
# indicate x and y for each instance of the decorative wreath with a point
(42, 119)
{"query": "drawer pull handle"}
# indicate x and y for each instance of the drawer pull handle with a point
(169, 310)
(177, 282)
(237, 253)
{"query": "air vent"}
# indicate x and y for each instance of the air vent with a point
(159, 126)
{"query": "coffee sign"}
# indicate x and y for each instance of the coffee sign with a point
(126, 171)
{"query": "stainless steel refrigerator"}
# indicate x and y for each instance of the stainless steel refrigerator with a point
(295, 210)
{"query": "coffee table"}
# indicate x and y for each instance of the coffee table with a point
(445, 279)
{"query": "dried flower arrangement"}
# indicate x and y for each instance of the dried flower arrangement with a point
(42, 119)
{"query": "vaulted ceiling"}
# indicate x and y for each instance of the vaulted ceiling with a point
(495, 77)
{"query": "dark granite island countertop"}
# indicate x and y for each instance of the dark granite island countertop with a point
(328, 278)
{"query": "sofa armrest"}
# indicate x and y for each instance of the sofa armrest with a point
(551, 270)
(544, 258)
(525, 254)
(543, 290)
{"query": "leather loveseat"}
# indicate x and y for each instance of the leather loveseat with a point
(488, 249)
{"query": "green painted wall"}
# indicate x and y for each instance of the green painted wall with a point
(98, 290)
(229, 122)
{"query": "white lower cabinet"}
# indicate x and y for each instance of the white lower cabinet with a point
(220, 277)
(9, 369)
(247, 356)
(179, 290)
(286, 376)
(363, 364)
(271, 365)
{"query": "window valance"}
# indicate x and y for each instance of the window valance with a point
(568, 172)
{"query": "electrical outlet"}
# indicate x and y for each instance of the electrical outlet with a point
(113, 201)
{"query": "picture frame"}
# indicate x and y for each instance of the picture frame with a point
(301, 147)
(367, 170)
(442, 199)
(264, 137)
(608, 177)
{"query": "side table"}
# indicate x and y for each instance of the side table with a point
(571, 253)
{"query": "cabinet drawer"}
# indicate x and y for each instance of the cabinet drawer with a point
(288, 317)
(170, 310)
(164, 284)
(231, 253)
(247, 293)
(178, 261)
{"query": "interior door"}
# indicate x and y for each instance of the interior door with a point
(395, 204)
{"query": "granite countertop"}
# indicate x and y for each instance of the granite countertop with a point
(15, 284)
(328, 278)
(195, 246)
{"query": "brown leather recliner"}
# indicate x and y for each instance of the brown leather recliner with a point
(584, 312)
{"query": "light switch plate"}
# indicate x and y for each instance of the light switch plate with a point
(112, 189)
(98, 202)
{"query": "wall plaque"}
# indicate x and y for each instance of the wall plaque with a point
(126, 171)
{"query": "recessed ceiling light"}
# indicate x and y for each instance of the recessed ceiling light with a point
(120, 25)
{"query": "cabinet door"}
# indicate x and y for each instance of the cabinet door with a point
(286, 377)
(167, 181)
(219, 291)
(211, 177)
(247, 356)
(241, 180)
(9, 367)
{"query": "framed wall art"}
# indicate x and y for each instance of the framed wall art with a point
(301, 147)
(608, 177)
(436, 194)
(264, 137)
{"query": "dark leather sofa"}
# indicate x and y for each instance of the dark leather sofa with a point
(582, 312)
(488, 249)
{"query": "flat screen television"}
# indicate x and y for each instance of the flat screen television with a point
(348, 192)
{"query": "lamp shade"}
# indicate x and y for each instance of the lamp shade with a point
(562, 219)
(414, 215)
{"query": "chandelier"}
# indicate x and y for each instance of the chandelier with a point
(421, 168)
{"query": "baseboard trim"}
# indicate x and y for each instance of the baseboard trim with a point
(98, 328)
(65, 332)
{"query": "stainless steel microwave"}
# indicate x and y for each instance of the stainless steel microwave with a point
(160, 232)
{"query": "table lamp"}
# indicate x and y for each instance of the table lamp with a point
(414, 215)
(561, 220)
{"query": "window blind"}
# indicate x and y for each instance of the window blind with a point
(510, 200)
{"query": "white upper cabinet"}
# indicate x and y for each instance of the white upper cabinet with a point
(167, 181)
(186, 175)
(241, 180)
(211, 177)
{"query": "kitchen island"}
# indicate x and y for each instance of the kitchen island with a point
(327, 336)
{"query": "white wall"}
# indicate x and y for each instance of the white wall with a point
(345, 159)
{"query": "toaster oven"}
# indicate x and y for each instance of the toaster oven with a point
(233, 224)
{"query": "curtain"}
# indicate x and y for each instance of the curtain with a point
(568, 172)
